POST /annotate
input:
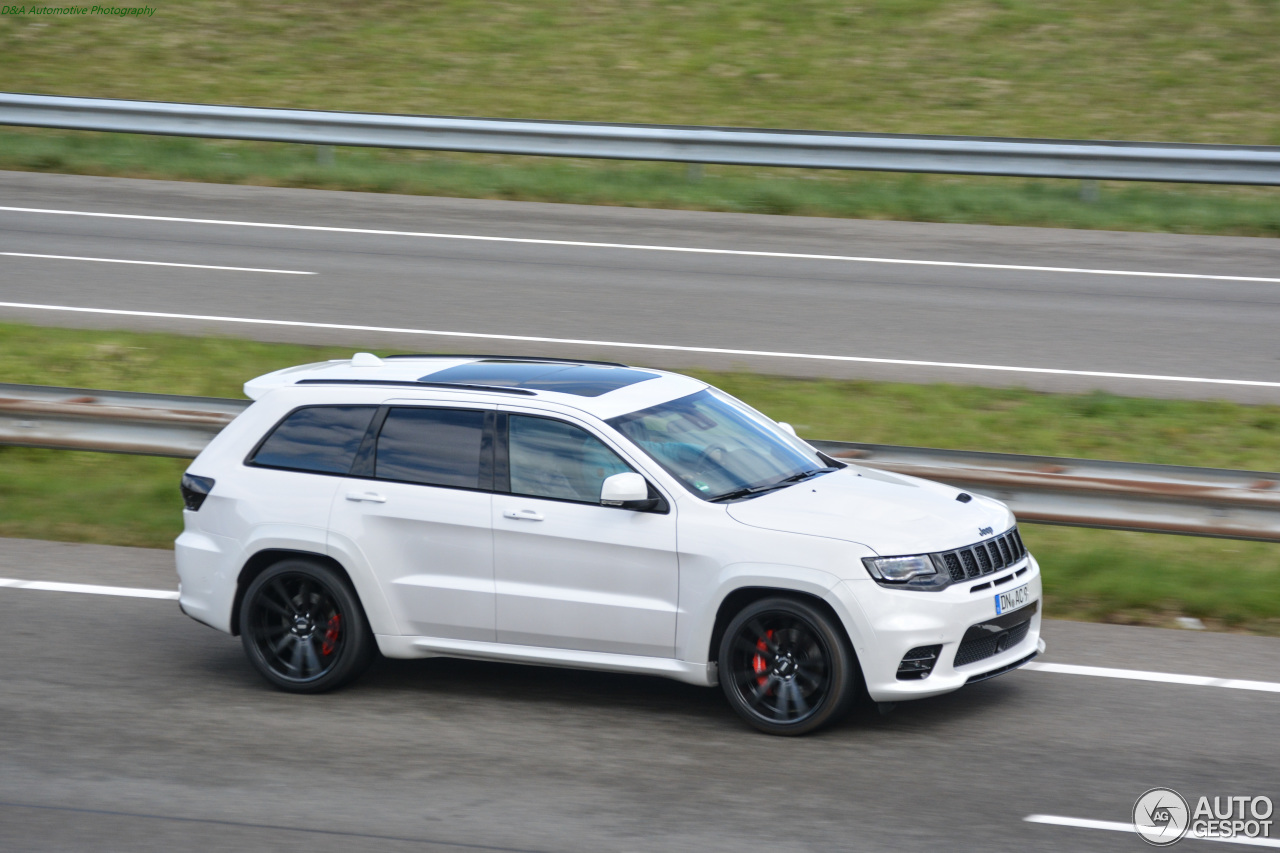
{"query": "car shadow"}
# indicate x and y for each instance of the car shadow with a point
(960, 709)
(467, 686)
(544, 686)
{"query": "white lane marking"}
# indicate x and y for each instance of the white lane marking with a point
(1161, 677)
(1058, 668)
(1114, 826)
(91, 589)
(643, 247)
(164, 315)
(152, 263)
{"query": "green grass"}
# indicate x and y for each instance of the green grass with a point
(1177, 70)
(90, 497)
(922, 198)
(1089, 574)
(1149, 578)
(1147, 70)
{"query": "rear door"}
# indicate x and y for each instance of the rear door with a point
(289, 479)
(571, 573)
(417, 513)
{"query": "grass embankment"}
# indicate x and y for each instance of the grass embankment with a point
(1089, 574)
(1174, 71)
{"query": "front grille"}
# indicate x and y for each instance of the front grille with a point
(918, 663)
(989, 638)
(985, 557)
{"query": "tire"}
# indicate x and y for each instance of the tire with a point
(786, 667)
(303, 628)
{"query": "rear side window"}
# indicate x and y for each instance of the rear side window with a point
(323, 439)
(435, 447)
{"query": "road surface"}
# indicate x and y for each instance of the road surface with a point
(1063, 310)
(126, 726)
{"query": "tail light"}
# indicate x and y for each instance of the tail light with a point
(195, 490)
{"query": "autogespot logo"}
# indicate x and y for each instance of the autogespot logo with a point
(1160, 816)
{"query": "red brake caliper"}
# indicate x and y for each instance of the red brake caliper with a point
(757, 661)
(330, 636)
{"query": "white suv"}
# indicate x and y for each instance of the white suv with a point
(587, 514)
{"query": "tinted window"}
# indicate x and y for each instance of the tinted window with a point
(582, 380)
(553, 459)
(437, 447)
(318, 438)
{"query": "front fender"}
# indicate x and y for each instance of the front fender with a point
(700, 617)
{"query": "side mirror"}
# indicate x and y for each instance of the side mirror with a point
(628, 490)
(788, 428)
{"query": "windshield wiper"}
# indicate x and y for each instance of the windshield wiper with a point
(804, 475)
(742, 493)
(778, 484)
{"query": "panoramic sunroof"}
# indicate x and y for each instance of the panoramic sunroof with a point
(581, 380)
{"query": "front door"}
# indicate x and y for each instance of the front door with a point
(569, 572)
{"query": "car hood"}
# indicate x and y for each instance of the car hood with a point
(889, 513)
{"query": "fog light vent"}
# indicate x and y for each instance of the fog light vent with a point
(918, 663)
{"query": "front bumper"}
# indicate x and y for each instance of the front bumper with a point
(885, 624)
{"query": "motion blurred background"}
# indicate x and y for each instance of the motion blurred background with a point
(126, 726)
(1171, 71)
(1176, 71)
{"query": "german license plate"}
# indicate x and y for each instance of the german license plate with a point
(1012, 599)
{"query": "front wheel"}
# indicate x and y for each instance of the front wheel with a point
(303, 627)
(786, 667)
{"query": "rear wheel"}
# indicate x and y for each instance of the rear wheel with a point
(786, 667)
(303, 627)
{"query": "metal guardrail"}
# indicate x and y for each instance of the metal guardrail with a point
(1213, 502)
(1048, 490)
(967, 155)
(112, 421)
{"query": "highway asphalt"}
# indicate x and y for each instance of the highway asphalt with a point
(1058, 309)
(125, 726)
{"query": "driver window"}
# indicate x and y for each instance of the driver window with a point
(553, 459)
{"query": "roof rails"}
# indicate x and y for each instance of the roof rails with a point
(532, 358)
(410, 383)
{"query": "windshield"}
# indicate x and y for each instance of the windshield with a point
(718, 447)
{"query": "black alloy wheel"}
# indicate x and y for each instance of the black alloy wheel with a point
(303, 628)
(786, 667)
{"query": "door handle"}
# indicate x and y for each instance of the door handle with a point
(371, 497)
(523, 515)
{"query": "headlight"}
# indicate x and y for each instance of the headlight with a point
(899, 569)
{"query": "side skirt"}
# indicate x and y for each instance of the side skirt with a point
(394, 646)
